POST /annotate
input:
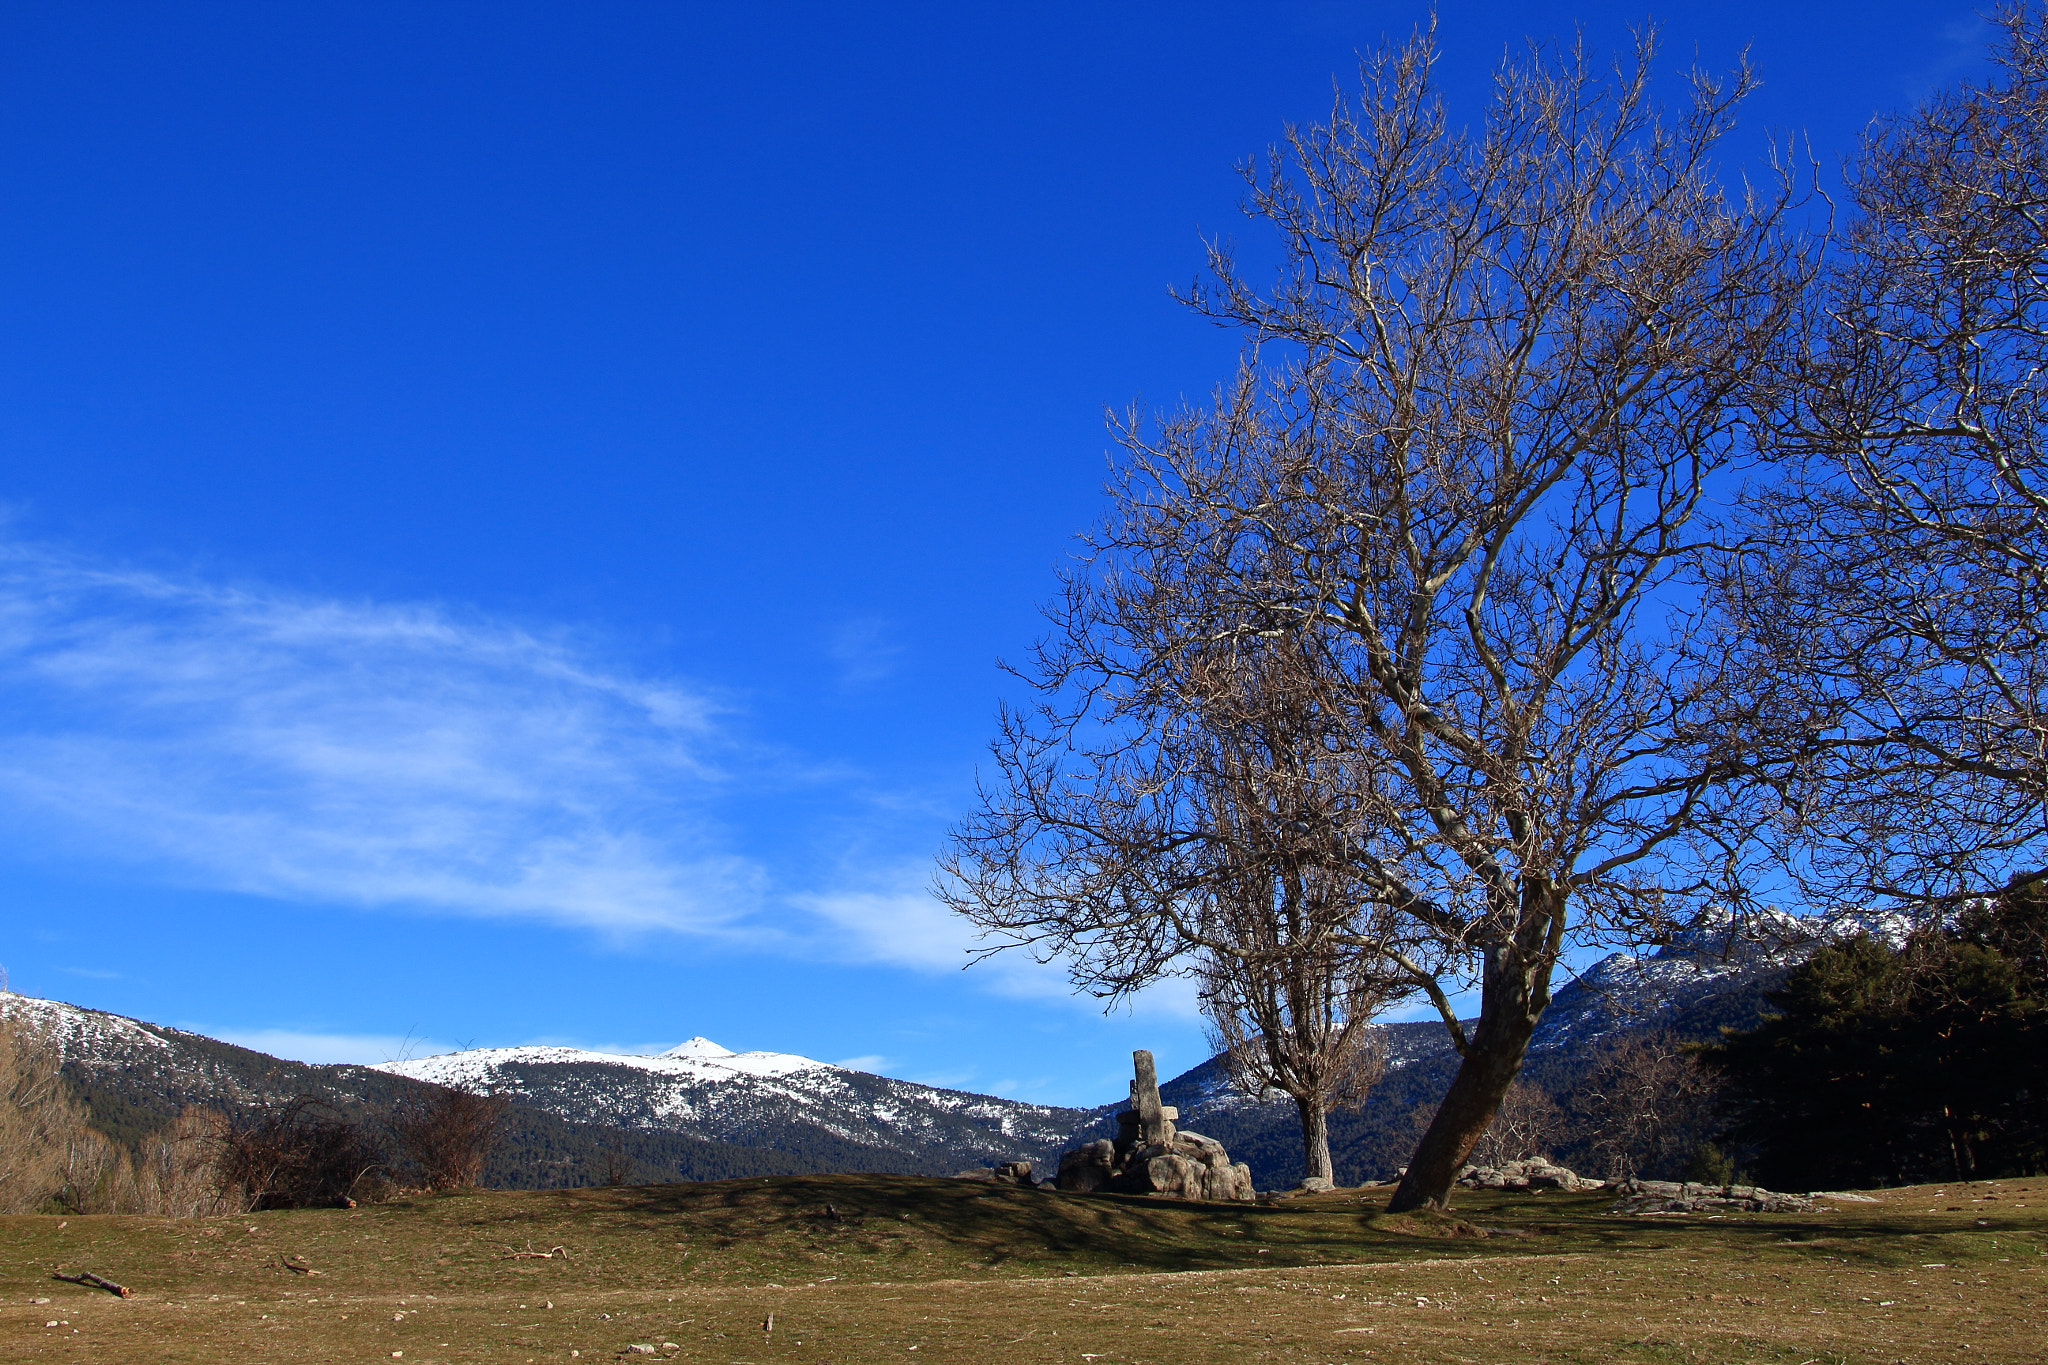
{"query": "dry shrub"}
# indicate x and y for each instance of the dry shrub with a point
(99, 1174)
(40, 1124)
(178, 1169)
(1529, 1124)
(447, 1134)
(304, 1154)
(1646, 1107)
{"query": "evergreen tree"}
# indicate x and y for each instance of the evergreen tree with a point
(1886, 1066)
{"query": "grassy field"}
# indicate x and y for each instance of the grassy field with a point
(902, 1269)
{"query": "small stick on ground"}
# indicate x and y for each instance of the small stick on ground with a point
(287, 1263)
(87, 1277)
(531, 1254)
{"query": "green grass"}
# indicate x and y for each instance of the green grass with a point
(969, 1272)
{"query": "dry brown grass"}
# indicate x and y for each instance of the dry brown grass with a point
(916, 1269)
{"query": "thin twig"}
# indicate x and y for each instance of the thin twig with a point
(531, 1254)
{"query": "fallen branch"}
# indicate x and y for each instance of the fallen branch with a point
(87, 1277)
(286, 1262)
(531, 1254)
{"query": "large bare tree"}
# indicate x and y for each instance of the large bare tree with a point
(1891, 590)
(1490, 387)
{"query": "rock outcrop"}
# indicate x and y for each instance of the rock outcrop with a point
(1009, 1173)
(1671, 1196)
(1532, 1174)
(1151, 1156)
(1185, 1166)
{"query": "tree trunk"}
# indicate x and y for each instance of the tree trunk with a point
(1315, 1137)
(1514, 992)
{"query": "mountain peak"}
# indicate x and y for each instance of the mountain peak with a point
(699, 1047)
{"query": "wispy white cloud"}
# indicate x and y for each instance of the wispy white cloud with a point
(361, 1049)
(91, 973)
(1959, 48)
(364, 753)
(863, 651)
(874, 1064)
(405, 756)
(898, 922)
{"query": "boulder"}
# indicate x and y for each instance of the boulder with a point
(1009, 1173)
(1671, 1196)
(1316, 1184)
(1185, 1166)
(1087, 1169)
(1532, 1174)
(1151, 1156)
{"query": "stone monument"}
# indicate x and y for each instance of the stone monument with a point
(1151, 1156)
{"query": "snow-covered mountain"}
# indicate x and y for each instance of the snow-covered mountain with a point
(701, 1109)
(758, 1099)
(1681, 983)
(698, 1111)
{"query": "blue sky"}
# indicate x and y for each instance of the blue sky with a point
(508, 512)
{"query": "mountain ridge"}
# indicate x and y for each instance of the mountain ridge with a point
(701, 1107)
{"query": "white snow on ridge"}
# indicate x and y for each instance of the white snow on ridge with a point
(699, 1060)
(700, 1046)
(77, 1032)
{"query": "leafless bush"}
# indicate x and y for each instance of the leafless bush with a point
(178, 1172)
(99, 1174)
(615, 1166)
(46, 1150)
(448, 1134)
(304, 1154)
(33, 1111)
(1646, 1107)
(1529, 1124)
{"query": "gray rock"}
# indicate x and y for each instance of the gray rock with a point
(1151, 1156)
(1316, 1184)
(1087, 1169)
(1670, 1196)
(1533, 1174)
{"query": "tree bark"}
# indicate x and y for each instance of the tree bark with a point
(1514, 992)
(1315, 1137)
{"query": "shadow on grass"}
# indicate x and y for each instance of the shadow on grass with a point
(891, 1225)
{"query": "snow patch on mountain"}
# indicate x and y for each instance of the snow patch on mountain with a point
(763, 1099)
(79, 1034)
(700, 1060)
(1719, 955)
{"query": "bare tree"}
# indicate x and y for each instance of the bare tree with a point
(178, 1172)
(1289, 997)
(615, 1165)
(449, 1133)
(1892, 589)
(1299, 1024)
(1528, 1124)
(1496, 376)
(38, 1119)
(1646, 1105)
(1232, 816)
